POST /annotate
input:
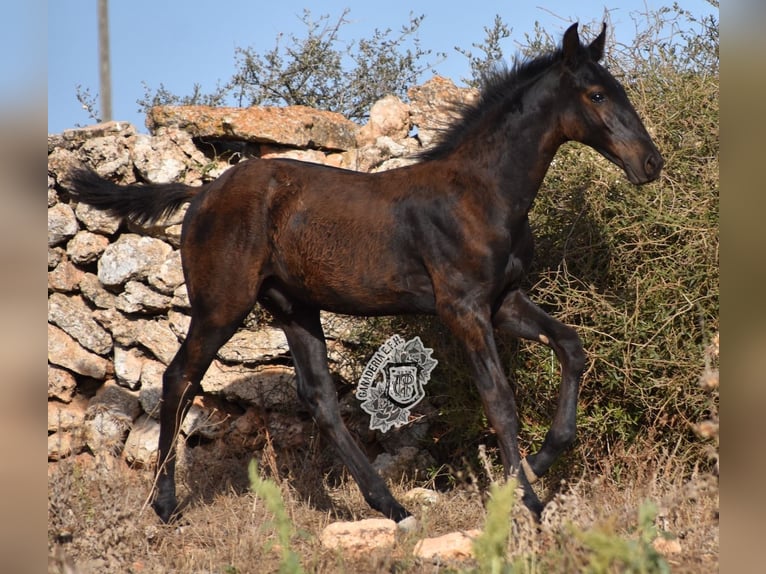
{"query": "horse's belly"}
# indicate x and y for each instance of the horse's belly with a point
(369, 288)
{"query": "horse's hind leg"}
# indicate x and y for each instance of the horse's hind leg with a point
(317, 390)
(522, 318)
(213, 323)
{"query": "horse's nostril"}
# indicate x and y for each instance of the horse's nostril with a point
(653, 164)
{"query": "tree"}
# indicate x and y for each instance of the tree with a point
(491, 50)
(319, 70)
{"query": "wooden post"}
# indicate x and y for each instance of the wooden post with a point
(104, 63)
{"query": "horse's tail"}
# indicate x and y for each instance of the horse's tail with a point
(142, 203)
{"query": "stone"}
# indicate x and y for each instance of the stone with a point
(141, 446)
(389, 117)
(131, 257)
(433, 106)
(169, 276)
(452, 546)
(65, 417)
(65, 428)
(86, 247)
(295, 126)
(368, 158)
(65, 352)
(181, 298)
(109, 155)
(422, 496)
(155, 335)
(391, 148)
(361, 536)
(62, 224)
(158, 338)
(65, 278)
(76, 136)
(55, 256)
(266, 386)
(395, 163)
(666, 546)
(97, 220)
(63, 444)
(105, 430)
(287, 431)
(158, 159)
(109, 417)
(139, 298)
(128, 364)
(151, 387)
(340, 326)
(208, 417)
(53, 197)
(60, 162)
(405, 462)
(173, 235)
(75, 318)
(307, 155)
(255, 346)
(93, 291)
(116, 398)
(179, 323)
(62, 385)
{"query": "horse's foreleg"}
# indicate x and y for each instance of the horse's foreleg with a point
(317, 390)
(520, 317)
(473, 327)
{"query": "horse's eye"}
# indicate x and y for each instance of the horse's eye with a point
(597, 98)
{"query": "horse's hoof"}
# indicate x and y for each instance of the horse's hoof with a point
(166, 512)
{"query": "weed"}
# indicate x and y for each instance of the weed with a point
(491, 546)
(271, 495)
(612, 553)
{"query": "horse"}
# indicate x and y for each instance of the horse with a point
(448, 235)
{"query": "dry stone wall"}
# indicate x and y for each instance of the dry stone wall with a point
(117, 303)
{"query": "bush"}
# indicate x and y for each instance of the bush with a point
(633, 269)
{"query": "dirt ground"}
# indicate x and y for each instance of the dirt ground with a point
(99, 519)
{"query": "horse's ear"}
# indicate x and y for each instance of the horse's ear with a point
(596, 47)
(571, 44)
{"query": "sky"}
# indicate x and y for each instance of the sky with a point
(179, 43)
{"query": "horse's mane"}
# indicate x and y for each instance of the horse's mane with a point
(500, 90)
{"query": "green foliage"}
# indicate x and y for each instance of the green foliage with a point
(269, 491)
(88, 103)
(608, 552)
(633, 269)
(320, 69)
(600, 549)
(491, 51)
(491, 546)
(163, 97)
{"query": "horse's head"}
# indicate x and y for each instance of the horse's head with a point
(597, 111)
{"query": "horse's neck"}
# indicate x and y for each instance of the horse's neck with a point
(518, 153)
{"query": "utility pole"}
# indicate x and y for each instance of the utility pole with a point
(105, 71)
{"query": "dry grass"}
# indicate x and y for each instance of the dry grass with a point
(98, 521)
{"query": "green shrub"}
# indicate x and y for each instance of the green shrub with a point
(491, 546)
(269, 491)
(633, 269)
